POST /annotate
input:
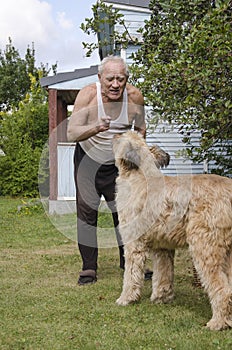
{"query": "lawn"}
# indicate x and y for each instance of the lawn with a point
(42, 307)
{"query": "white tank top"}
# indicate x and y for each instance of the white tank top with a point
(99, 146)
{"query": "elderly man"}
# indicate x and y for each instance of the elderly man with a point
(101, 110)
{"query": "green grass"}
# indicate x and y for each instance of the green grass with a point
(42, 307)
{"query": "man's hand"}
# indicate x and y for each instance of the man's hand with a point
(105, 123)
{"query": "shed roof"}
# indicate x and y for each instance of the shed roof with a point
(138, 3)
(68, 76)
(68, 84)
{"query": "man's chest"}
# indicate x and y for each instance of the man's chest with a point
(111, 109)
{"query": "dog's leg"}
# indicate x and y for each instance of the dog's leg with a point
(210, 265)
(135, 258)
(229, 267)
(163, 276)
(229, 274)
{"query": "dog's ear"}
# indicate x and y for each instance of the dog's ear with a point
(131, 159)
(161, 158)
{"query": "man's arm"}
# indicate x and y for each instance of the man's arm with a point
(140, 125)
(84, 122)
(139, 118)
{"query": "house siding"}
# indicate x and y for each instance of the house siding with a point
(134, 20)
(169, 140)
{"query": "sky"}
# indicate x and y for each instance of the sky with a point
(54, 28)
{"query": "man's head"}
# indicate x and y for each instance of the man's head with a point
(113, 75)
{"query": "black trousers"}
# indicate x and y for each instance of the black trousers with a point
(93, 180)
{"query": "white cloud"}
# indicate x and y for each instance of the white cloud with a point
(56, 37)
(63, 21)
(26, 21)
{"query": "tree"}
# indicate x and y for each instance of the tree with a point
(23, 121)
(14, 75)
(186, 65)
(103, 22)
(184, 71)
(23, 133)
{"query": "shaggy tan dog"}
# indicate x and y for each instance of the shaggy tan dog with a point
(160, 213)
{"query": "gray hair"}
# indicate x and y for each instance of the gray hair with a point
(113, 59)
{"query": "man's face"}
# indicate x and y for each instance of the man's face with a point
(113, 81)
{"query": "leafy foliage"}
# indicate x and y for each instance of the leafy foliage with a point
(22, 135)
(103, 24)
(23, 121)
(185, 63)
(183, 68)
(15, 75)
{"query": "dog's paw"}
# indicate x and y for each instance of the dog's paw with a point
(218, 325)
(162, 299)
(122, 301)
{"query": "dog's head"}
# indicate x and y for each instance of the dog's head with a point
(131, 151)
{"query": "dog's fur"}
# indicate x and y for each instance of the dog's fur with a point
(159, 213)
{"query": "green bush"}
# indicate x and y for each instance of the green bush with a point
(23, 134)
(19, 171)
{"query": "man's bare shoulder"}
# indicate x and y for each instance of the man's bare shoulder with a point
(87, 93)
(134, 95)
